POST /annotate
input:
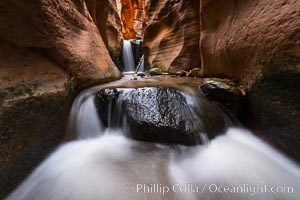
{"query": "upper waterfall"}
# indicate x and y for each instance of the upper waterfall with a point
(127, 56)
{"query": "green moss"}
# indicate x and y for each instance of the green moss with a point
(73, 84)
(159, 66)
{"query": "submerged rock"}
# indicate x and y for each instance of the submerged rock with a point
(223, 91)
(194, 72)
(164, 115)
(181, 73)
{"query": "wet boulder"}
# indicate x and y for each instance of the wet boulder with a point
(225, 92)
(165, 115)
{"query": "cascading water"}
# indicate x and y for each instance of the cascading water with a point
(84, 121)
(127, 56)
(235, 166)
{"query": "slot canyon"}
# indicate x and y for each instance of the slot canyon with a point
(101, 95)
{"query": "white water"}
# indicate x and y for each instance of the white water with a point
(238, 159)
(104, 167)
(127, 56)
(84, 121)
(107, 165)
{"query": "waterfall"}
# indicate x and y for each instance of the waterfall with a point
(84, 121)
(127, 56)
(236, 165)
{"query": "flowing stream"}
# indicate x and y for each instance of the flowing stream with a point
(127, 56)
(103, 163)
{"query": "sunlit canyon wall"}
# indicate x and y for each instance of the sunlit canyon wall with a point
(51, 49)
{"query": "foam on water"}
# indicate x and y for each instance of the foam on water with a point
(84, 121)
(105, 164)
(114, 167)
(238, 159)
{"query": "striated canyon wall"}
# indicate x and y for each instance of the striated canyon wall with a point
(65, 31)
(127, 15)
(134, 14)
(52, 47)
(257, 42)
(34, 104)
(49, 49)
(169, 29)
(106, 16)
(172, 35)
(244, 40)
(248, 39)
(254, 42)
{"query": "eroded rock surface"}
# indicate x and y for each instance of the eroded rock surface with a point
(127, 15)
(275, 109)
(34, 104)
(172, 34)
(106, 17)
(247, 40)
(134, 15)
(63, 29)
(258, 44)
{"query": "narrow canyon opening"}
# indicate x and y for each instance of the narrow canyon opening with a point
(133, 18)
(149, 99)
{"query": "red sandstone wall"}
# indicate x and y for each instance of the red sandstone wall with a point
(172, 35)
(106, 17)
(65, 30)
(248, 39)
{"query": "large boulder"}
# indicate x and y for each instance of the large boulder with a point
(161, 114)
(225, 92)
(34, 104)
(65, 30)
(106, 17)
(172, 35)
